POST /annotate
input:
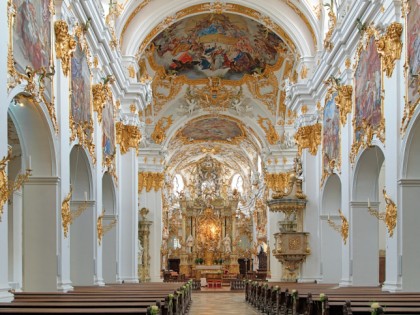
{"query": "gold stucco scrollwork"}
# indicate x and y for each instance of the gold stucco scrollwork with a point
(390, 214)
(343, 229)
(101, 92)
(270, 132)
(65, 45)
(343, 100)
(309, 137)
(4, 189)
(99, 227)
(66, 216)
(281, 184)
(127, 137)
(159, 133)
(390, 46)
(81, 131)
(149, 180)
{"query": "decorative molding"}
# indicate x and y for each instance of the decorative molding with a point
(149, 180)
(99, 227)
(343, 229)
(101, 92)
(65, 45)
(159, 133)
(343, 100)
(66, 216)
(127, 137)
(309, 137)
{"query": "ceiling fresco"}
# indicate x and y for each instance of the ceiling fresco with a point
(227, 46)
(212, 129)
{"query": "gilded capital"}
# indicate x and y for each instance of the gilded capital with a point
(127, 137)
(309, 137)
(101, 93)
(65, 45)
(390, 46)
(149, 180)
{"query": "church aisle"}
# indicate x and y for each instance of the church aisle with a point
(220, 303)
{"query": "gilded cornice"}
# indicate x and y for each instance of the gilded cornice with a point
(159, 133)
(270, 132)
(127, 137)
(390, 46)
(149, 180)
(65, 45)
(309, 137)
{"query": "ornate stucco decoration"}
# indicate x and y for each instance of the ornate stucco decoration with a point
(109, 166)
(66, 216)
(343, 229)
(332, 22)
(343, 100)
(390, 47)
(127, 137)
(4, 186)
(81, 132)
(159, 133)
(149, 180)
(270, 132)
(280, 183)
(100, 227)
(390, 214)
(309, 137)
(65, 45)
(101, 92)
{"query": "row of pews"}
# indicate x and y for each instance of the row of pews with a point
(144, 298)
(325, 299)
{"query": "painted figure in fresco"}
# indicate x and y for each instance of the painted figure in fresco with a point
(32, 30)
(108, 135)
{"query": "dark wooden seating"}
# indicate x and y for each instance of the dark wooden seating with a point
(167, 298)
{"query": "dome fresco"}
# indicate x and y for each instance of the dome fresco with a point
(217, 45)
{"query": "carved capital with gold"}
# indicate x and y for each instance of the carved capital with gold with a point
(127, 137)
(65, 45)
(149, 180)
(390, 46)
(101, 93)
(309, 137)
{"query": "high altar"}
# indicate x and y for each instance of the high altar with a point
(206, 230)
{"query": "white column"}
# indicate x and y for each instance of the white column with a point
(128, 223)
(62, 99)
(364, 231)
(40, 238)
(272, 228)
(15, 237)
(346, 141)
(5, 296)
(152, 200)
(310, 270)
(393, 159)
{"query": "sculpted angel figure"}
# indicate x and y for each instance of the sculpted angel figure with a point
(226, 244)
(190, 243)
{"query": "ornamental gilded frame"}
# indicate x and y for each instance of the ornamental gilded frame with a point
(78, 129)
(366, 138)
(334, 165)
(408, 108)
(35, 88)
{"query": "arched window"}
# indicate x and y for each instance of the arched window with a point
(178, 184)
(237, 183)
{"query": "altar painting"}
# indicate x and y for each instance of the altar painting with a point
(331, 134)
(217, 45)
(413, 52)
(108, 129)
(368, 87)
(32, 34)
(80, 87)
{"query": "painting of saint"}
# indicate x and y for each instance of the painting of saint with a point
(331, 149)
(80, 87)
(217, 45)
(32, 34)
(108, 129)
(368, 87)
(413, 52)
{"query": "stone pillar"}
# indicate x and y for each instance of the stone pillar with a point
(144, 233)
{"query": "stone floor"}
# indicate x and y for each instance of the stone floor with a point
(225, 303)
